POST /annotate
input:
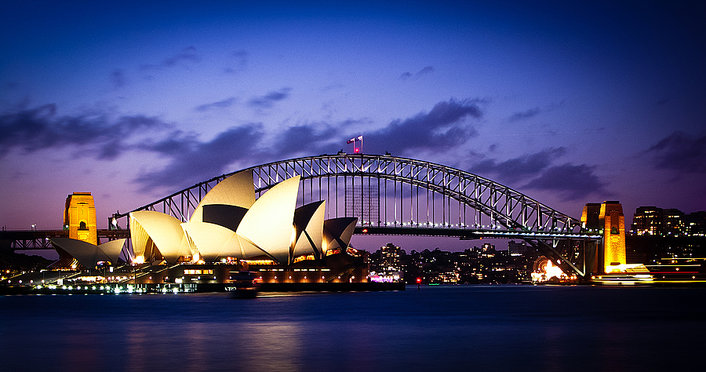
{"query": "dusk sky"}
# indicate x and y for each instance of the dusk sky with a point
(567, 102)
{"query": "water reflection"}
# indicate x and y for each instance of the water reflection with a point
(502, 328)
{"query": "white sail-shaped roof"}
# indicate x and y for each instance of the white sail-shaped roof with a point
(309, 222)
(338, 233)
(163, 230)
(214, 241)
(269, 222)
(85, 253)
(112, 249)
(236, 190)
(248, 249)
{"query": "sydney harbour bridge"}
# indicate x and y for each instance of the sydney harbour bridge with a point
(393, 195)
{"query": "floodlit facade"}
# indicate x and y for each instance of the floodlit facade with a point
(80, 217)
(73, 252)
(230, 223)
(309, 225)
(338, 233)
(613, 224)
(157, 236)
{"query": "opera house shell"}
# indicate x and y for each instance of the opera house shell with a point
(231, 223)
(73, 252)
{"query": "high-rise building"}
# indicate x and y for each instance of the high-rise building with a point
(672, 222)
(518, 248)
(647, 221)
(390, 258)
(695, 224)
(655, 221)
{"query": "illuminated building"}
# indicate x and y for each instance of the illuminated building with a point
(231, 224)
(647, 221)
(309, 226)
(661, 222)
(613, 224)
(390, 257)
(695, 224)
(387, 264)
(673, 222)
(80, 217)
(337, 234)
(74, 253)
(608, 219)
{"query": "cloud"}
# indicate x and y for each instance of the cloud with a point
(443, 127)
(524, 115)
(177, 142)
(192, 161)
(424, 71)
(521, 167)
(216, 105)
(237, 61)
(680, 152)
(309, 139)
(269, 99)
(40, 128)
(569, 181)
(118, 78)
(185, 56)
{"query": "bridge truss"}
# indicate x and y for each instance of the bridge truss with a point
(392, 195)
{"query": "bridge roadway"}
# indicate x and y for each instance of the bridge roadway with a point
(39, 239)
(470, 234)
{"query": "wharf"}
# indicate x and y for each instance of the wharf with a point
(169, 288)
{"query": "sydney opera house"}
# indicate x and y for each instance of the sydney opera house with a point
(230, 231)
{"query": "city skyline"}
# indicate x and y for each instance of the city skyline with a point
(568, 104)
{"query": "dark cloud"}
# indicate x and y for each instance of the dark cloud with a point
(443, 127)
(177, 142)
(569, 181)
(524, 115)
(192, 161)
(519, 168)
(424, 71)
(216, 105)
(680, 152)
(40, 128)
(118, 78)
(269, 99)
(312, 139)
(185, 56)
(237, 61)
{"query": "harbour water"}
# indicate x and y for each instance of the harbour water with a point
(503, 328)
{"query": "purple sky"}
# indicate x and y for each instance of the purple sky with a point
(568, 102)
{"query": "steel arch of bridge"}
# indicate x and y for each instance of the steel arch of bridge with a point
(384, 192)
